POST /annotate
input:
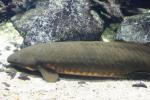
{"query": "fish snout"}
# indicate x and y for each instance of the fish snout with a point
(19, 61)
(22, 58)
(12, 59)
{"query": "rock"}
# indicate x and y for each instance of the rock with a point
(59, 20)
(135, 29)
(110, 9)
(139, 85)
(81, 82)
(6, 84)
(23, 77)
(133, 7)
(7, 48)
(2, 11)
(11, 74)
(1, 6)
(116, 9)
(23, 5)
(9, 8)
(17, 5)
(110, 32)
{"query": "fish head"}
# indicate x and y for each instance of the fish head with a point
(22, 59)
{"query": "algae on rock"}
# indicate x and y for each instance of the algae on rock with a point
(135, 29)
(110, 32)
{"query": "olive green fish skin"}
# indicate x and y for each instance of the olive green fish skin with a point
(115, 59)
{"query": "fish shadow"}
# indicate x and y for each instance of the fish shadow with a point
(140, 75)
(144, 77)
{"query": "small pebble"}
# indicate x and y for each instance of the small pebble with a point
(7, 89)
(139, 85)
(11, 74)
(6, 84)
(81, 82)
(7, 48)
(23, 77)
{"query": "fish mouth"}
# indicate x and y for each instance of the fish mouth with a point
(15, 64)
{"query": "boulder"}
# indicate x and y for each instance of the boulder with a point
(59, 20)
(135, 29)
(9, 8)
(110, 8)
(22, 5)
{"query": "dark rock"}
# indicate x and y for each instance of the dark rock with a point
(59, 20)
(9, 8)
(23, 77)
(17, 5)
(7, 48)
(120, 8)
(110, 8)
(11, 74)
(81, 82)
(2, 11)
(5, 65)
(23, 5)
(135, 29)
(1, 6)
(139, 85)
(133, 7)
(6, 84)
(7, 89)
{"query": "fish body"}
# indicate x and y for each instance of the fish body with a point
(113, 60)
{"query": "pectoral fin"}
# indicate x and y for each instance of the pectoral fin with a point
(48, 75)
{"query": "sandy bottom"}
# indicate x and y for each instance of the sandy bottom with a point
(15, 85)
(37, 89)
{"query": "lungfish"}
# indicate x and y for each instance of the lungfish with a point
(94, 59)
